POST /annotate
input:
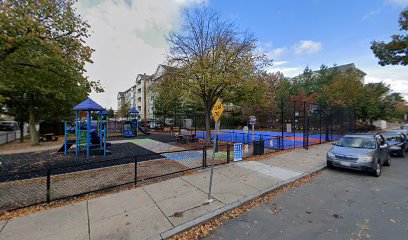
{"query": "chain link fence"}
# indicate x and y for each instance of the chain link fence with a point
(29, 188)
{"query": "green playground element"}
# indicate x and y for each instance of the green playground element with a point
(221, 154)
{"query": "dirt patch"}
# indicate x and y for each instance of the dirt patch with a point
(17, 146)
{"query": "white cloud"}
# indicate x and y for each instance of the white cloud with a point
(279, 63)
(395, 76)
(402, 3)
(306, 47)
(276, 53)
(129, 37)
(370, 14)
(287, 72)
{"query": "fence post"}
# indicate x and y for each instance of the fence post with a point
(304, 125)
(320, 125)
(294, 124)
(228, 153)
(48, 185)
(135, 170)
(204, 156)
(282, 123)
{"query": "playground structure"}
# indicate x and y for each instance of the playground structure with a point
(130, 127)
(89, 134)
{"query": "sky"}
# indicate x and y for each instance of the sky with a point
(129, 36)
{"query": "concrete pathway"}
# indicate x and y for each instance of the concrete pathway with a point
(162, 209)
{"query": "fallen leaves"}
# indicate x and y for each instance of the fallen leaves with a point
(205, 229)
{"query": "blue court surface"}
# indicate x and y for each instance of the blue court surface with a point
(271, 140)
(179, 156)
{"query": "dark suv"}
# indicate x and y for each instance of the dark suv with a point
(365, 152)
(8, 126)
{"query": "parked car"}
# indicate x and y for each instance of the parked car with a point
(8, 125)
(402, 130)
(364, 152)
(404, 126)
(397, 141)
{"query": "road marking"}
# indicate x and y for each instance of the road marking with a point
(268, 170)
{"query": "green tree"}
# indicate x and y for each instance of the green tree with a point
(371, 106)
(343, 91)
(123, 110)
(395, 107)
(215, 60)
(394, 52)
(42, 59)
(111, 113)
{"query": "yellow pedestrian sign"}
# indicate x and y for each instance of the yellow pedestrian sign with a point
(217, 110)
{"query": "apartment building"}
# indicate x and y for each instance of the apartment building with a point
(140, 95)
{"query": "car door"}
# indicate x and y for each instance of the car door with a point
(405, 140)
(382, 148)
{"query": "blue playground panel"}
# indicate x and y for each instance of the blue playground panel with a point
(271, 139)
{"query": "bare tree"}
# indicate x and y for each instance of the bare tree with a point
(214, 60)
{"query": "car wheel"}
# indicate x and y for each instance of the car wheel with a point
(387, 161)
(377, 171)
(330, 165)
(402, 153)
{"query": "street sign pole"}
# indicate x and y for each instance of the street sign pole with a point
(217, 128)
(216, 111)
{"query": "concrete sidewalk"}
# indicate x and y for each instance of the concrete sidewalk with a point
(162, 209)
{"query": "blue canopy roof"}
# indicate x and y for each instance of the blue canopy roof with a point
(104, 113)
(133, 110)
(88, 105)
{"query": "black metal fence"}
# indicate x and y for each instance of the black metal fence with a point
(46, 185)
(291, 124)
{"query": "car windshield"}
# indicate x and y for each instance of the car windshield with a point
(392, 136)
(356, 142)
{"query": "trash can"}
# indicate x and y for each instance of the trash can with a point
(258, 147)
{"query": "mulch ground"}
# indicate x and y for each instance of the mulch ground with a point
(32, 164)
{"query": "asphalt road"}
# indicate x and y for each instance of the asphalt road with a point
(338, 204)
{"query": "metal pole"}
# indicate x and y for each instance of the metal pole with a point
(135, 170)
(294, 124)
(65, 138)
(48, 185)
(320, 125)
(77, 133)
(88, 135)
(282, 125)
(217, 127)
(204, 157)
(304, 123)
(228, 153)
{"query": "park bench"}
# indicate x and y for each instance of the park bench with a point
(185, 137)
(48, 137)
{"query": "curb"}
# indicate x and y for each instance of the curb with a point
(209, 216)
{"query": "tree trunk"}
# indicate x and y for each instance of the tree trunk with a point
(21, 125)
(31, 125)
(207, 124)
